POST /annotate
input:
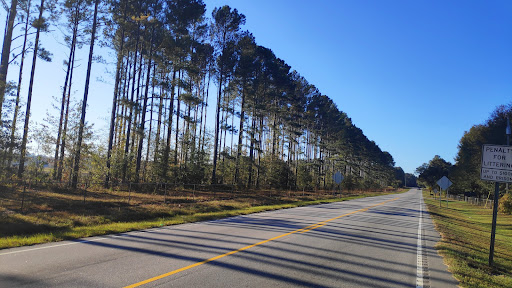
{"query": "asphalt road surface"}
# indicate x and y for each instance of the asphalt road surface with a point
(384, 241)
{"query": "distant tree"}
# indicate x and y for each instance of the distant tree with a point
(399, 176)
(410, 180)
(433, 171)
(466, 171)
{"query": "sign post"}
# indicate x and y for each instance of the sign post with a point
(444, 183)
(338, 177)
(496, 166)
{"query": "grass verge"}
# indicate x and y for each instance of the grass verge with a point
(49, 222)
(466, 233)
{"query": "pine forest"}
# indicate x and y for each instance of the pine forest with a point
(270, 128)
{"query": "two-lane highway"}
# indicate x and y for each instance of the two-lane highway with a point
(384, 241)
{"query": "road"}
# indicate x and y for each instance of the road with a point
(384, 241)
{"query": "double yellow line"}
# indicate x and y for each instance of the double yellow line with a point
(301, 230)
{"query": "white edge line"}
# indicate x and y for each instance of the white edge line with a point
(419, 253)
(76, 242)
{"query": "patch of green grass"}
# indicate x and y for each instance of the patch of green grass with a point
(108, 217)
(466, 233)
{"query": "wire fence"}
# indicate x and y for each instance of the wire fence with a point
(486, 203)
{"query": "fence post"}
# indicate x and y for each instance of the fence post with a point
(23, 196)
(165, 193)
(129, 192)
(85, 191)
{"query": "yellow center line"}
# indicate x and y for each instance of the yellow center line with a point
(301, 230)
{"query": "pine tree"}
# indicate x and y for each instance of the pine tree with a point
(76, 166)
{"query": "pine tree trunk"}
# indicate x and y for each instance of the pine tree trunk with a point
(240, 136)
(141, 72)
(21, 167)
(143, 116)
(64, 90)
(251, 150)
(274, 137)
(119, 69)
(217, 123)
(66, 117)
(6, 51)
(159, 123)
(76, 166)
(132, 103)
(205, 112)
(178, 114)
(150, 121)
(124, 97)
(18, 90)
(167, 151)
(259, 151)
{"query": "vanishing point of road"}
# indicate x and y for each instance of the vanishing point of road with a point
(384, 241)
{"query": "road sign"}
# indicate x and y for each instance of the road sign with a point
(444, 183)
(496, 163)
(337, 177)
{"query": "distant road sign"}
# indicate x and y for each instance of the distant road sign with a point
(496, 163)
(337, 177)
(444, 183)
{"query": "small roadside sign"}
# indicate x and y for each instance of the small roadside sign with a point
(496, 163)
(337, 177)
(444, 183)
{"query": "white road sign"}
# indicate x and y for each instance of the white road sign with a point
(444, 183)
(337, 177)
(496, 163)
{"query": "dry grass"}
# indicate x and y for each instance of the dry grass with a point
(39, 215)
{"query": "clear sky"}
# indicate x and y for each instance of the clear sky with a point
(413, 75)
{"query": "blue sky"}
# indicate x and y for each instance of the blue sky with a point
(413, 75)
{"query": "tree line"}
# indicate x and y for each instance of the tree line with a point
(272, 128)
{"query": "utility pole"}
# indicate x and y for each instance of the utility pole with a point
(508, 132)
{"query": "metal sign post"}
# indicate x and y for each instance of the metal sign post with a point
(494, 218)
